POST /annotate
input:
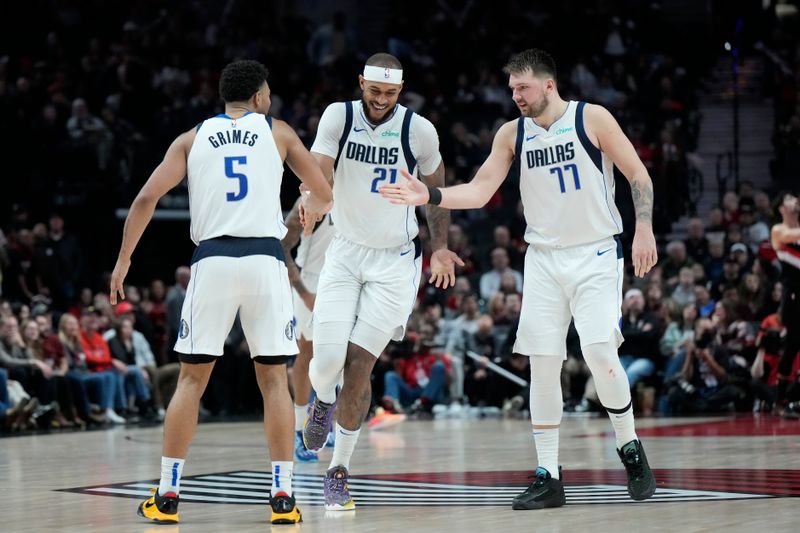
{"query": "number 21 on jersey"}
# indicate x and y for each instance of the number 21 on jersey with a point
(380, 175)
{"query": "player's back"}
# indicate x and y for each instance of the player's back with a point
(234, 171)
(566, 183)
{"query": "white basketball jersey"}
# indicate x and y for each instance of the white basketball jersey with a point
(311, 250)
(234, 172)
(566, 183)
(368, 157)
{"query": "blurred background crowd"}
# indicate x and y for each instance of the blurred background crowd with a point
(87, 110)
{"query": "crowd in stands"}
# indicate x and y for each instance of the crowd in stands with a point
(701, 331)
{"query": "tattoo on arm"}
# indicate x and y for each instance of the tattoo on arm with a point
(438, 217)
(642, 192)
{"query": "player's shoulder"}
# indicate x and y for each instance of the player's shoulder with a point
(596, 113)
(420, 123)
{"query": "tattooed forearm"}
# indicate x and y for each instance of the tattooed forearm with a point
(438, 217)
(642, 192)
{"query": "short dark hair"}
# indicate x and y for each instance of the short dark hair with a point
(384, 60)
(537, 61)
(778, 202)
(240, 80)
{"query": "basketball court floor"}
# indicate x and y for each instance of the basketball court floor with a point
(458, 476)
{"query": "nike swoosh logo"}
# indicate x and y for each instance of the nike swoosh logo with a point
(150, 504)
(359, 130)
(530, 138)
(604, 251)
(406, 252)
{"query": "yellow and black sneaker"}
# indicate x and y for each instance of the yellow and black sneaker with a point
(284, 509)
(161, 509)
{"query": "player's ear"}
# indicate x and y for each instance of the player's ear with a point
(361, 81)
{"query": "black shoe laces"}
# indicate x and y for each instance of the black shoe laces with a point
(539, 479)
(633, 463)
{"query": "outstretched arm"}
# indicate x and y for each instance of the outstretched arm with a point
(470, 195)
(303, 164)
(293, 230)
(443, 261)
(782, 235)
(612, 140)
(167, 175)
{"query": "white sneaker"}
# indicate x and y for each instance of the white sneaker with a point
(113, 417)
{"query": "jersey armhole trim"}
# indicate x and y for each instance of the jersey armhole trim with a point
(269, 121)
(198, 126)
(592, 150)
(348, 123)
(405, 134)
(516, 169)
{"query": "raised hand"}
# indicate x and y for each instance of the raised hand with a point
(412, 192)
(443, 264)
(117, 280)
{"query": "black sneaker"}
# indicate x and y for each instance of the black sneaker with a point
(545, 491)
(641, 482)
(161, 509)
(284, 509)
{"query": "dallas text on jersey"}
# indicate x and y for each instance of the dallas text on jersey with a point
(375, 155)
(542, 157)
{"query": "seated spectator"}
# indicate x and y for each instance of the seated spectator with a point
(703, 384)
(476, 383)
(14, 415)
(696, 242)
(754, 231)
(130, 347)
(731, 278)
(101, 385)
(459, 330)
(716, 259)
(677, 338)
(752, 293)
(639, 351)
(675, 261)
(57, 388)
(703, 302)
(502, 239)
(683, 295)
(771, 302)
(741, 253)
(18, 361)
(490, 281)
(130, 383)
(418, 381)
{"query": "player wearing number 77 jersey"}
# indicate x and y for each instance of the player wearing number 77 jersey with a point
(369, 283)
(234, 165)
(565, 152)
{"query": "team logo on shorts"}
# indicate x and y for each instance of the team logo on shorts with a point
(183, 332)
(289, 330)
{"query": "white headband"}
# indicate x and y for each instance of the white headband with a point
(383, 74)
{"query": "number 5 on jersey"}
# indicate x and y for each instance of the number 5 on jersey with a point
(229, 173)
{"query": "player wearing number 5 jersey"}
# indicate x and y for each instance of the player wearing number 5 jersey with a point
(565, 152)
(234, 165)
(368, 285)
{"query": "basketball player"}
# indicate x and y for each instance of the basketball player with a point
(573, 266)
(369, 282)
(786, 242)
(304, 277)
(234, 164)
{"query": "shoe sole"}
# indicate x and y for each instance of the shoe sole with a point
(310, 433)
(337, 507)
(282, 519)
(533, 506)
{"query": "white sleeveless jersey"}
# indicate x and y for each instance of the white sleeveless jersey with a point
(234, 172)
(368, 157)
(566, 183)
(311, 250)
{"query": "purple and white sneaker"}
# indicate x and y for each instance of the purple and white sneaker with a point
(318, 424)
(337, 491)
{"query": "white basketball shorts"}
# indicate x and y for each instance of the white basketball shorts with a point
(377, 286)
(244, 275)
(581, 282)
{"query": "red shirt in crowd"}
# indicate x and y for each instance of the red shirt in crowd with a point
(417, 367)
(98, 356)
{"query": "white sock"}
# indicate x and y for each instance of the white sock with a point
(547, 449)
(282, 477)
(624, 429)
(300, 415)
(345, 444)
(171, 470)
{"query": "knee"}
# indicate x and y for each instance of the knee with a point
(438, 368)
(601, 356)
(390, 377)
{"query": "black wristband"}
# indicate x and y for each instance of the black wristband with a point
(434, 195)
